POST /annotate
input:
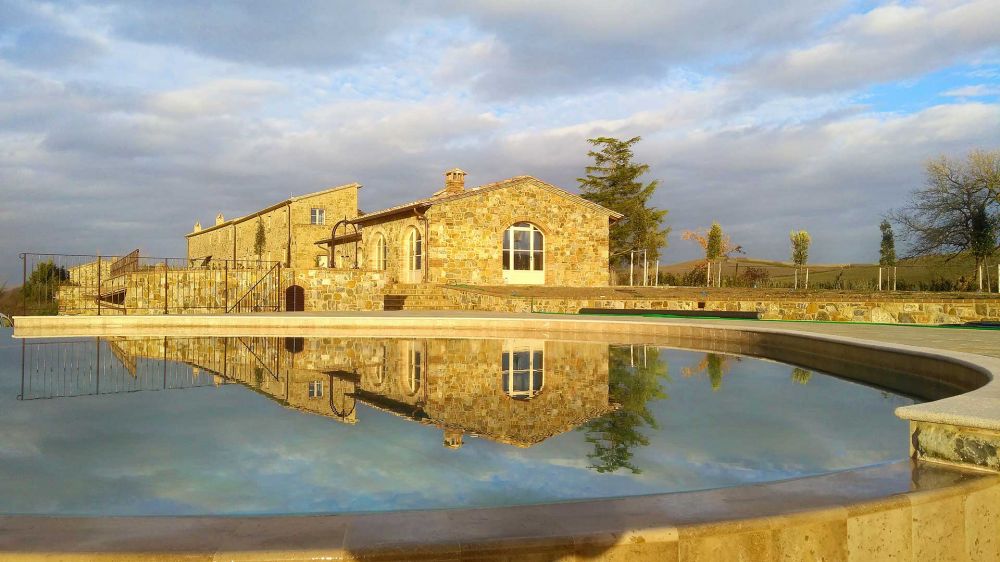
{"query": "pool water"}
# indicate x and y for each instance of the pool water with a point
(252, 425)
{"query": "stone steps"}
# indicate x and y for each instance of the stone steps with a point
(416, 297)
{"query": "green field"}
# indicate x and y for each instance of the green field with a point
(926, 273)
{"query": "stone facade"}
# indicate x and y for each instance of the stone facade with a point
(921, 309)
(463, 232)
(290, 237)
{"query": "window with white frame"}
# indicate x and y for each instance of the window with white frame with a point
(315, 389)
(379, 253)
(414, 367)
(323, 260)
(317, 216)
(414, 250)
(523, 248)
(523, 368)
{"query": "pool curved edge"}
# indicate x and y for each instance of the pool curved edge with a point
(944, 501)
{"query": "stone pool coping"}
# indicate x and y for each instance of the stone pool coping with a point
(915, 509)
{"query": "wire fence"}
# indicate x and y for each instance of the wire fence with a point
(942, 276)
(78, 284)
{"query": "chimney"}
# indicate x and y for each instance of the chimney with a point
(197, 227)
(219, 219)
(454, 181)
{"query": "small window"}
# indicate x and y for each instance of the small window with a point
(323, 261)
(316, 389)
(317, 216)
(523, 369)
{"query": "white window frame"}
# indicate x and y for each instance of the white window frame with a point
(534, 274)
(415, 367)
(534, 352)
(315, 389)
(323, 261)
(317, 215)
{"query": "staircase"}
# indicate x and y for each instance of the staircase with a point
(416, 297)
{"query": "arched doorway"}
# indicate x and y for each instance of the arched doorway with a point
(295, 299)
(523, 255)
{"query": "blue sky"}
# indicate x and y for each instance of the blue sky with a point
(121, 124)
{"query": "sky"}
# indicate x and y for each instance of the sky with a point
(123, 123)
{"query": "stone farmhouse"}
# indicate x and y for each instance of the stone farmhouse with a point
(516, 231)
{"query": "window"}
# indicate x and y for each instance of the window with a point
(323, 261)
(316, 389)
(414, 367)
(317, 216)
(523, 369)
(414, 250)
(523, 248)
(378, 254)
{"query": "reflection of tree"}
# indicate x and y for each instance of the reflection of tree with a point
(801, 375)
(715, 365)
(633, 380)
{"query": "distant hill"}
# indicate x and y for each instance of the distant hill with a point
(914, 273)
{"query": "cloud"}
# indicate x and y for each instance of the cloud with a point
(886, 43)
(34, 36)
(312, 34)
(973, 91)
(225, 96)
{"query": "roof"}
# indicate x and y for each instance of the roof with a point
(274, 206)
(510, 182)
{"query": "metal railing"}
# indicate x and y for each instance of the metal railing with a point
(944, 277)
(82, 284)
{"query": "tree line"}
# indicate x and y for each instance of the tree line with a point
(956, 212)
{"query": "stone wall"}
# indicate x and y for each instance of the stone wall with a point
(467, 236)
(287, 230)
(464, 237)
(339, 289)
(923, 311)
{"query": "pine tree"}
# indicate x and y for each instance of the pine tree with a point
(613, 182)
(887, 252)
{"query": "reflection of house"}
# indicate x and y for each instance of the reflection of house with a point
(517, 231)
(512, 391)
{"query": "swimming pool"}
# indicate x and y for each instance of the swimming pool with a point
(264, 425)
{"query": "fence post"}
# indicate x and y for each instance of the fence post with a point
(796, 278)
(807, 278)
(980, 272)
(631, 268)
(880, 278)
(166, 282)
(24, 283)
(894, 278)
(225, 293)
(98, 285)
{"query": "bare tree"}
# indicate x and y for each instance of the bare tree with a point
(955, 212)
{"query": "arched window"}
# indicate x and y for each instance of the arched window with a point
(524, 254)
(379, 253)
(414, 367)
(414, 253)
(523, 368)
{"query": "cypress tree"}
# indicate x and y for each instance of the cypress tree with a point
(613, 182)
(887, 251)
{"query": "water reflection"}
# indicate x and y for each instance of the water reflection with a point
(633, 381)
(335, 425)
(513, 391)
